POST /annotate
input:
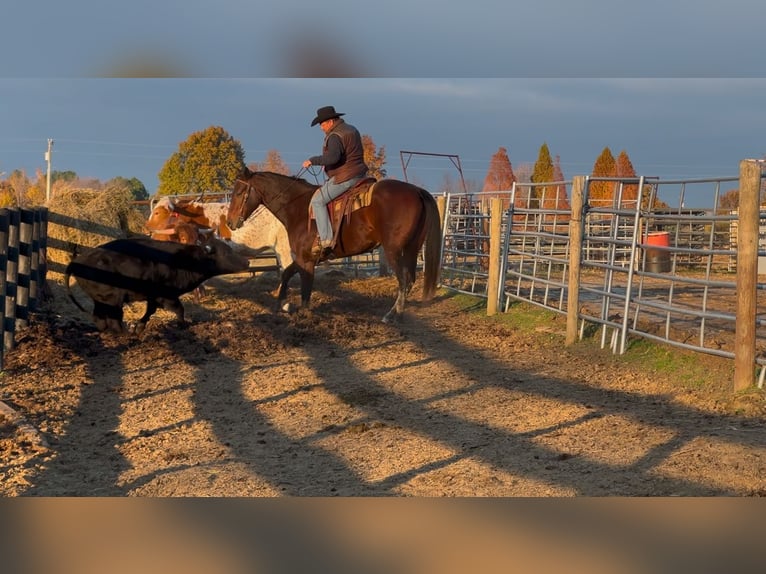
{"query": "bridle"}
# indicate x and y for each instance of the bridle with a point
(249, 185)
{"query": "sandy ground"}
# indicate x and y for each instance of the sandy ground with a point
(332, 402)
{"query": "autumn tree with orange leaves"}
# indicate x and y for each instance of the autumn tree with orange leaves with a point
(374, 158)
(557, 199)
(623, 168)
(273, 163)
(600, 193)
(500, 176)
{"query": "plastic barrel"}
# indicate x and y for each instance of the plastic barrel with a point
(657, 260)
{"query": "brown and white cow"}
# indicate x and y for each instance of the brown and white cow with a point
(144, 269)
(168, 212)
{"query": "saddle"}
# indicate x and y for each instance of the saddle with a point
(340, 208)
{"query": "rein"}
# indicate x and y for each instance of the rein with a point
(250, 188)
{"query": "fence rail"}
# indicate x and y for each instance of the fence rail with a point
(23, 268)
(634, 267)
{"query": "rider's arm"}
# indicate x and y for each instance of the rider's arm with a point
(332, 154)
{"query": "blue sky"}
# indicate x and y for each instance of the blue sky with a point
(108, 127)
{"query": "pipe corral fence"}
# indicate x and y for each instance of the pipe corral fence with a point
(629, 266)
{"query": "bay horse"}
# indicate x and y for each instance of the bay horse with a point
(400, 217)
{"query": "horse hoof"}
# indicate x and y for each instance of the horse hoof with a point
(286, 308)
(136, 328)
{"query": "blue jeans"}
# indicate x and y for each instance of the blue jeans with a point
(324, 195)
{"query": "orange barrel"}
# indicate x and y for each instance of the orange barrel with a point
(657, 260)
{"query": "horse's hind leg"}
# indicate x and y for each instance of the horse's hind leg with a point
(395, 313)
(403, 267)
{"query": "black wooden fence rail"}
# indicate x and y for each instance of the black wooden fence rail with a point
(23, 268)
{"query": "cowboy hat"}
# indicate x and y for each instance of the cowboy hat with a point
(324, 114)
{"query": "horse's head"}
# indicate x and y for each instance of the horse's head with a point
(245, 198)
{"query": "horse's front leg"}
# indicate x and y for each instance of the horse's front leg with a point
(287, 274)
(307, 284)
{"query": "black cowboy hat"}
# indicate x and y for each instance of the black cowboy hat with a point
(324, 114)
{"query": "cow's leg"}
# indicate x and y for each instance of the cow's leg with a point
(175, 306)
(100, 316)
(108, 317)
(140, 325)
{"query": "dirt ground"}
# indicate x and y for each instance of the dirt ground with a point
(333, 402)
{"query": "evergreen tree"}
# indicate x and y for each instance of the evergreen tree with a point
(623, 168)
(542, 173)
(207, 161)
(600, 193)
(500, 176)
(557, 199)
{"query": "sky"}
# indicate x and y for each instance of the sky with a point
(677, 84)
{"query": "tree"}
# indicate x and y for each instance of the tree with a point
(623, 168)
(63, 176)
(542, 173)
(374, 158)
(557, 199)
(207, 161)
(600, 193)
(729, 200)
(137, 189)
(7, 194)
(273, 163)
(500, 176)
(19, 187)
(523, 172)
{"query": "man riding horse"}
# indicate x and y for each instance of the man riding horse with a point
(343, 161)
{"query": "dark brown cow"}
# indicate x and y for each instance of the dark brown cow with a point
(144, 269)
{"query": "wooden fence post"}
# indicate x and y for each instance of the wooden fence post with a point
(747, 273)
(4, 225)
(11, 277)
(26, 223)
(575, 256)
(441, 204)
(493, 278)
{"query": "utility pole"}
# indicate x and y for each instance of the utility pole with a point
(48, 176)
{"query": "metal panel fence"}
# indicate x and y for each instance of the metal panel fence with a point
(648, 267)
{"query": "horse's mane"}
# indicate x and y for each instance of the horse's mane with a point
(286, 183)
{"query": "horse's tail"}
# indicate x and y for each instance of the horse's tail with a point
(433, 246)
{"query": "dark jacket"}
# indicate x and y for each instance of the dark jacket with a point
(342, 153)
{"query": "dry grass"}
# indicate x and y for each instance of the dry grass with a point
(87, 217)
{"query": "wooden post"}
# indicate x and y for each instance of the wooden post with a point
(11, 277)
(441, 204)
(747, 273)
(26, 223)
(4, 227)
(575, 256)
(493, 279)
